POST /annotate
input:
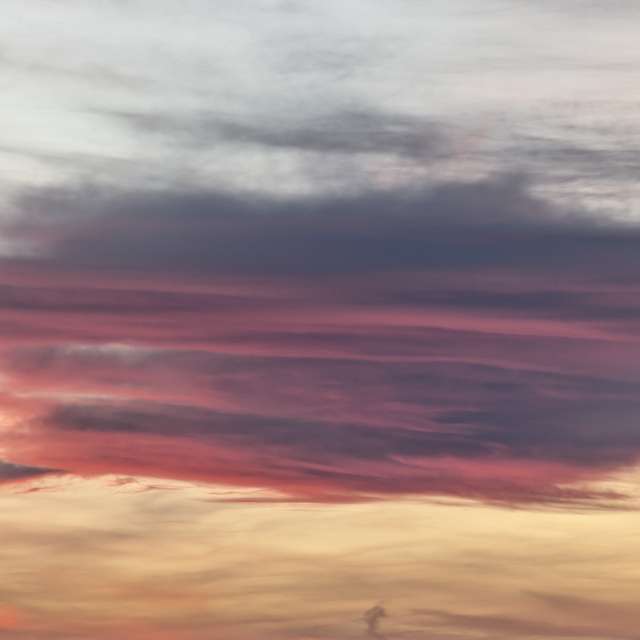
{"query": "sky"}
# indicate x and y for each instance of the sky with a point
(319, 320)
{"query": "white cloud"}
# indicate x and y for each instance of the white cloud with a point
(492, 71)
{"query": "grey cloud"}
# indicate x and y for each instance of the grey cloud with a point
(10, 472)
(343, 132)
(452, 226)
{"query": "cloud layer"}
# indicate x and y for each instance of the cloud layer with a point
(469, 339)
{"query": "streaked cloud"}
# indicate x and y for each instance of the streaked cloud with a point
(469, 340)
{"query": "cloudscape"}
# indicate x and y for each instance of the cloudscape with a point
(319, 320)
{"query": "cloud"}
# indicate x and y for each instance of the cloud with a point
(10, 472)
(468, 339)
(451, 226)
(373, 617)
(342, 132)
(509, 626)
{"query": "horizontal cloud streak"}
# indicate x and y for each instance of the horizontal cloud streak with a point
(348, 132)
(15, 472)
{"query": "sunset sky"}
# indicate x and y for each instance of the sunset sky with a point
(310, 309)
